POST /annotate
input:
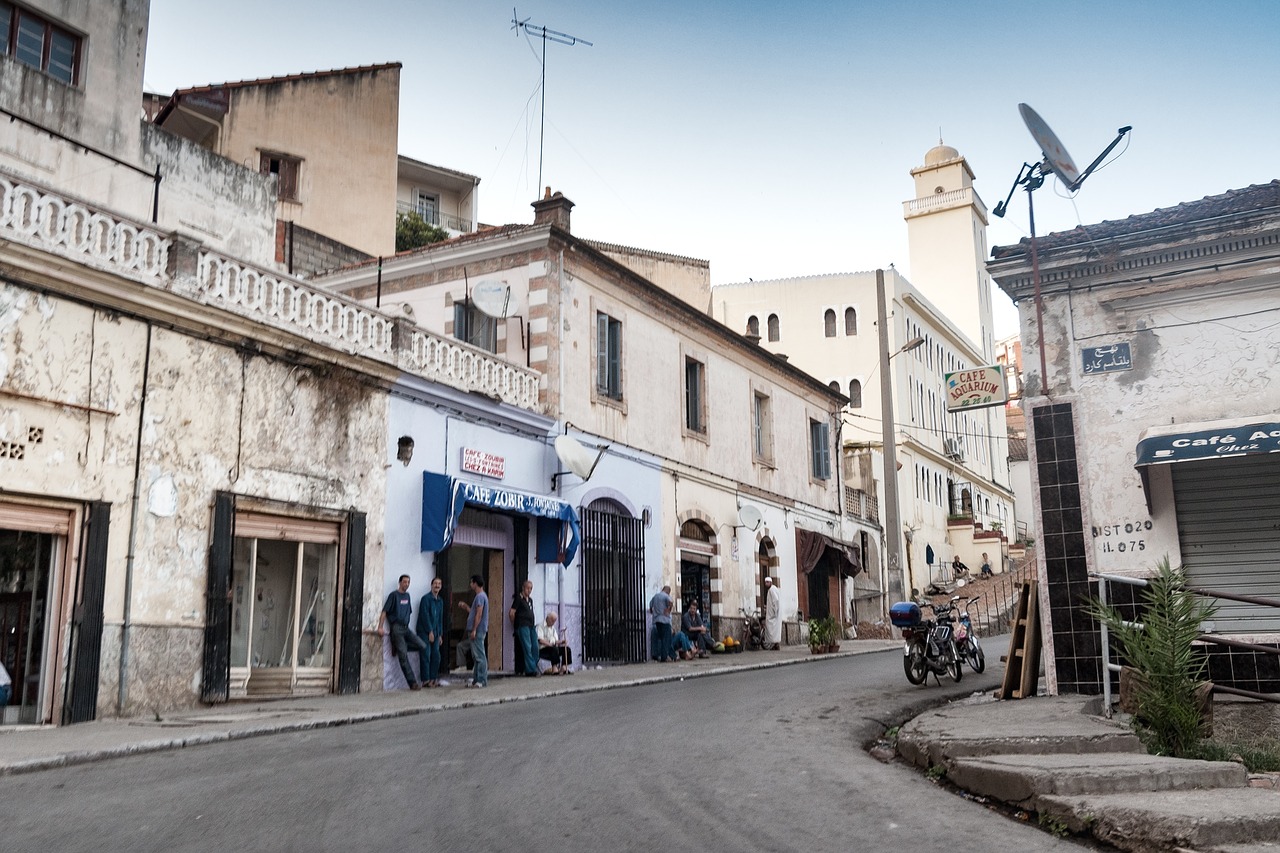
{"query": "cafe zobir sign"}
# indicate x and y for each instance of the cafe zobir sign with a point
(976, 388)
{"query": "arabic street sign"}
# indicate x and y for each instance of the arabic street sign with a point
(1106, 359)
(976, 388)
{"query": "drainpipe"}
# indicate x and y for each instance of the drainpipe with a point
(122, 695)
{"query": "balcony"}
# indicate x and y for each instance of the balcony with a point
(37, 218)
(942, 201)
(859, 504)
(447, 221)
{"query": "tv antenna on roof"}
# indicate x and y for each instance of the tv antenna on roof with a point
(1056, 162)
(547, 35)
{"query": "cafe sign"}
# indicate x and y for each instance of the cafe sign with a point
(976, 388)
(485, 464)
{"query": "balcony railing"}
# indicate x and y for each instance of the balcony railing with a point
(434, 217)
(39, 218)
(859, 504)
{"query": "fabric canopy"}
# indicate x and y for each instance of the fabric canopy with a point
(1216, 440)
(811, 546)
(443, 499)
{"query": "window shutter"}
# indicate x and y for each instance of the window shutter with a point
(352, 606)
(602, 353)
(615, 358)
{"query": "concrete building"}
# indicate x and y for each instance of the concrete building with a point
(1153, 422)
(338, 179)
(443, 197)
(953, 476)
(717, 467)
(193, 446)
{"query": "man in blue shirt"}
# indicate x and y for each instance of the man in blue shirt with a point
(397, 611)
(430, 631)
(660, 609)
(477, 628)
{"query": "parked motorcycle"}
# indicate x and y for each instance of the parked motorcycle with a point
(929, 644)
(752, 630)
(967, 644)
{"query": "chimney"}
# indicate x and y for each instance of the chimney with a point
(552, 210)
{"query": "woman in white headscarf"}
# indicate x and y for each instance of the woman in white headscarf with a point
(772, 616)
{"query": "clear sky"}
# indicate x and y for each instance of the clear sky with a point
(776, 138)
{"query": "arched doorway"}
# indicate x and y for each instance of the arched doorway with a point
(613, 603)
(697, 566)
(766, 566)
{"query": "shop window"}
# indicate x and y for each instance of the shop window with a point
(39, 43)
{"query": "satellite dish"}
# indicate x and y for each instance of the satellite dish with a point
(576, 458)
(1055, 153)
(750, 516)
(493, 298)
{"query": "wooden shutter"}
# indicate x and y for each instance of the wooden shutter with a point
(352, 607)
(86, 624)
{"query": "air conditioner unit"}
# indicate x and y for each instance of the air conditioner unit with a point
(953, 448)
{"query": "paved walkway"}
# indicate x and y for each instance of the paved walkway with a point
(29, 748)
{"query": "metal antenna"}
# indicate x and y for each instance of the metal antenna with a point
(546, 35)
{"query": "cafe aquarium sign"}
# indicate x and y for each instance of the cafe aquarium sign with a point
(976, 388)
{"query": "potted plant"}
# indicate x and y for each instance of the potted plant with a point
(818, 635)
(1162, 683)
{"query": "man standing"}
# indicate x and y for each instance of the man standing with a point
(696, 629)
(397, 611)
(660, 609)
(477, 628)
(772, 616)
(526, 631)
(430, 631)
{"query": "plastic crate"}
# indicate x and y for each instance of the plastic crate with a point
(905, 614)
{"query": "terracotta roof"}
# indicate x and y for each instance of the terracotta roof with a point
(1252, 198)
(304, 75)
(1017, 449)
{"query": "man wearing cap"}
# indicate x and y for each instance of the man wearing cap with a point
(772, 616)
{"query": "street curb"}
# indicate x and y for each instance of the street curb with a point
(69, 759)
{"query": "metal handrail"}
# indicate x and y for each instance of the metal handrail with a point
(1109, 667)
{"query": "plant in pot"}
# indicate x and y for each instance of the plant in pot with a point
(1162, 682)
(817, 635)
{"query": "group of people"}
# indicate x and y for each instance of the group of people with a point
(426, 637)
(961, 570)
(694, 639)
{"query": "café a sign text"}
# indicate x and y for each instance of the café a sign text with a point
(976, 388)
(482, 463)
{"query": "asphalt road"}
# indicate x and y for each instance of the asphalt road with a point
(761, 760)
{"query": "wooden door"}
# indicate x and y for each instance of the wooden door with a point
(495, 585)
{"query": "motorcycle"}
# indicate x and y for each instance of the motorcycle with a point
(929, 644)
(752, 630)
(967, 645)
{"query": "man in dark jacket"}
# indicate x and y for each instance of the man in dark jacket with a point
(431, 632)
(396, 611)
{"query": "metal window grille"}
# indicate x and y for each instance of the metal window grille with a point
(613, 606)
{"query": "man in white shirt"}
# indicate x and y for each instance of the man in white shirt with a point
(772, 616)
(552, 647)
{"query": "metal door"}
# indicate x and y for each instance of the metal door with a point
(215, 683)
(82, 705)
(613, 606)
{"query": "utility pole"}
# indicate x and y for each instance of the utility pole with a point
(546, 35)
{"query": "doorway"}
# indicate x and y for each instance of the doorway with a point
(28, 562)
(461, 562)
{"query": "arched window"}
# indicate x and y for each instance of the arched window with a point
(834, 386)
(773, 327)
(850, 322)
(855, 394)
(829, 323)
(753, 326)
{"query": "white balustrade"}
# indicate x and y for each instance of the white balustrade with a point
(44, 220)
(461, 366)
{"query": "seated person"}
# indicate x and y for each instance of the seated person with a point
(684, 648)
(692, 625)
(986, 565)
(959, 568)
(552, 648)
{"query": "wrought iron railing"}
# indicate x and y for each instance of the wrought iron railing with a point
(435, 217)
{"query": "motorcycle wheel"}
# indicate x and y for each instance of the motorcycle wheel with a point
(977, 660)
(914, 664)
(955, 667)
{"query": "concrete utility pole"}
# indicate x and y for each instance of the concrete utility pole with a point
(892, 524)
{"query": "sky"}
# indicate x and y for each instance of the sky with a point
(776, 139)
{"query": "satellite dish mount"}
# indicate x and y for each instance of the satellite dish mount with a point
(577, 460)
(1031, 176)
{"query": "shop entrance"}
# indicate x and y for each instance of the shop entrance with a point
(283, 614)
(27, 568)
(461, 562)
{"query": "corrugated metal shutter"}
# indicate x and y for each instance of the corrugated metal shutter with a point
(1229, 531)
(253, 525)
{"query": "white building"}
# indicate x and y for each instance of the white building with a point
(953, 478)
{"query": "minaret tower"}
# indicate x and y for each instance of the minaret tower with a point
(947, 239)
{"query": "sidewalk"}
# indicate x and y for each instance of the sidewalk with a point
(26, 749)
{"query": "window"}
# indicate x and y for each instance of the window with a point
(850, 322)
(474, 326)
(286, 169)
(761, 428)
(608, 356)
(820, 449)
(427, 206)
(773, 327)
(829, 324)
(834, 386)
(34, 41)
(695, 396)
(753, 326)
(855, 394)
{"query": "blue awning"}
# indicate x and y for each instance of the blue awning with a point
(1217, 440)
(443, 498)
